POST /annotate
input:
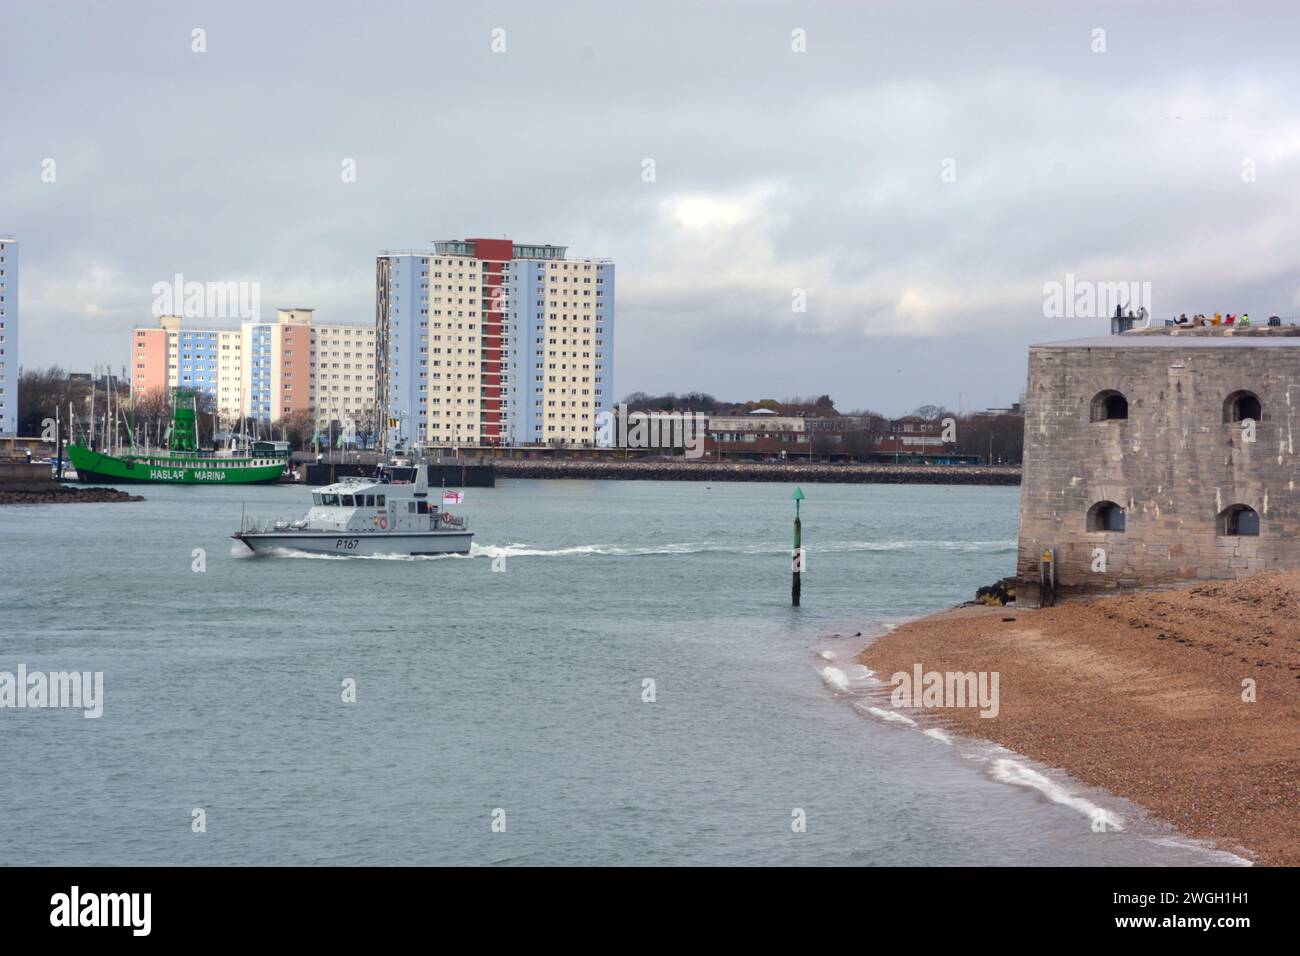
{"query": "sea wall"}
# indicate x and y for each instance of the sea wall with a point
(683, 470)
(25, 473)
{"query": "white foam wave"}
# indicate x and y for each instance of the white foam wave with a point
(939, 735)
(1013, 772)
(826, 655)
(835, 678)
(886, 715)
(1222, 857)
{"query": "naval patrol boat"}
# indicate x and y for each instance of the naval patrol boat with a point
(359, 517)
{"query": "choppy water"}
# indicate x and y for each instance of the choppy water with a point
(518, 689)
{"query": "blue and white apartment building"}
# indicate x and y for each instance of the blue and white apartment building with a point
(493, 342)
(8, 335)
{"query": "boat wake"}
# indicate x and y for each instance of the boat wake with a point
(705, 547)
(522, 550)
(239, 551)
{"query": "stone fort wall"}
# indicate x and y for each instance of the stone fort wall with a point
(1174, 465)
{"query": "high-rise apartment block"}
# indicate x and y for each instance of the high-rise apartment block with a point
(8, 335)
(493, 342)
(265, 370)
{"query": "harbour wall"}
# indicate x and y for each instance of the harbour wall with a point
(685, 470)
(465, 475)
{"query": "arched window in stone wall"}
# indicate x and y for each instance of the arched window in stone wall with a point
(1109, 406)
(1239, 521)
(1106, 516)
(1241, 405)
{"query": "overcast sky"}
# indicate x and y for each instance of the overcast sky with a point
(774, 170)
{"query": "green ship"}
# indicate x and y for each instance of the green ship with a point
(182, 463)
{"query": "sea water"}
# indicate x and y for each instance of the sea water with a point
(614, 675)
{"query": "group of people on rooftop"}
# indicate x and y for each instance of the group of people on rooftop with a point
(1196, 321)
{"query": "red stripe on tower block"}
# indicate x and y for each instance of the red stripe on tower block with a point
(494, 253)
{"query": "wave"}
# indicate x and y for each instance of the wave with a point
(886, 715)
(1223, 857)
(942, 736)
(835, 678)
(1013, 772)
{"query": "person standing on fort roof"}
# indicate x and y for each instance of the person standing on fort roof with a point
(1245, 321)
(1218, 319)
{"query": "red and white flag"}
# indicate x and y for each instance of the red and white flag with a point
(453, 497)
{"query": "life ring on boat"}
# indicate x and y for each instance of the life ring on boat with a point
(383, 523)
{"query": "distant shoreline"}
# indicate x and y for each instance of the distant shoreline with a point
(1140, 695)
(704, 470)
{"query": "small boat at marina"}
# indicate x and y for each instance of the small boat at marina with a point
(359, 517)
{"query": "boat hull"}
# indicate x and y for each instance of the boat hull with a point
(97, 468)
(358, 544)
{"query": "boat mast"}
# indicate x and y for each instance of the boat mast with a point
(131, 426)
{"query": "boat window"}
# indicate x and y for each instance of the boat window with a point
(315, 499)
(331, 499)
(380, 501)
(370, 501)
(347, 501)
(410, 507)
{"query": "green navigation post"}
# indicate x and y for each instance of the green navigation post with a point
(798, 549)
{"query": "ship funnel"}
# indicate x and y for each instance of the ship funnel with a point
(421, 480)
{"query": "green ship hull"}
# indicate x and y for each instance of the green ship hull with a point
(173, 468)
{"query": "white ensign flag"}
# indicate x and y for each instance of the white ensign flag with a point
(453, 497)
